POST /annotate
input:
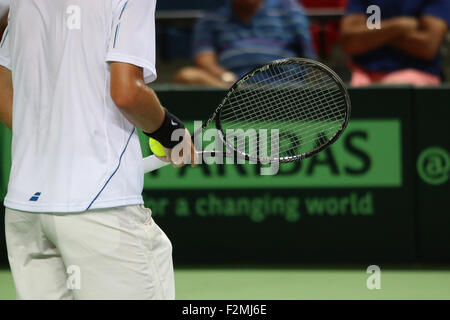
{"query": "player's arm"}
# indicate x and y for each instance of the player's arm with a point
(357, 38)
(207, 60)
(425, 42)
(140, 105)
(131, 55)
(6, 97)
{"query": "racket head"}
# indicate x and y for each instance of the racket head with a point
(303, 99)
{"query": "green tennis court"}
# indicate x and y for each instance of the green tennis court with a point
(300, 284)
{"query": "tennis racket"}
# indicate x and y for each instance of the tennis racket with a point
(302, 100)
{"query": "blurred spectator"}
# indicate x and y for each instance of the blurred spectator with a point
(243, 35)
(4, 10)
(407, 47)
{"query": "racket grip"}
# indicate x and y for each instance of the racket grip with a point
(152, 163)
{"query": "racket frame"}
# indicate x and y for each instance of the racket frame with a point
(281, 62)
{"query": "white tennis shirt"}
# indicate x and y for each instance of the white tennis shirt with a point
(72, 149)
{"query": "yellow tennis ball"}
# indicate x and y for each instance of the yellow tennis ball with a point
(156, 148)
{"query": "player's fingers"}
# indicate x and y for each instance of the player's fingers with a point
(165, 158)
(194, 156)
(178, 160)
(185, 152)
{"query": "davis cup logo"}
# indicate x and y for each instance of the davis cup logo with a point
(433, 166)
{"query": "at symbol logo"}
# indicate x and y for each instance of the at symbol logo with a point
(433, 165)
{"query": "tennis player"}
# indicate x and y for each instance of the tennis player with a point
(73, 88)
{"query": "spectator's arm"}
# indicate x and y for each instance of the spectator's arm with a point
(207, 61)
(205, 48)
(6, 97)
(425, 42)
(357, 38)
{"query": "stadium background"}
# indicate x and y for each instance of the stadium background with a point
(379, 196)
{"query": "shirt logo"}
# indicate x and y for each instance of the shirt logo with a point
(35, 197)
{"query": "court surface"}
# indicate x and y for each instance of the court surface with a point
(296, 284)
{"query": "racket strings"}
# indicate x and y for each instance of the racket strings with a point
(317, 126)
(303, 103)
(312, 124)
(275, 118)
(279, 101)
(318, 112)
(263, 97)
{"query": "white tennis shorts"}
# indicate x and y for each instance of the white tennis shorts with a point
(117, 253)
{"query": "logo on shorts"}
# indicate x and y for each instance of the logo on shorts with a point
(73, 277)
(374, 281)
(35, 197)
(433, 166)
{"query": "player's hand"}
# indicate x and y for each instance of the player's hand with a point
(183, 153)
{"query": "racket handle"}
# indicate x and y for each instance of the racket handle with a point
(152, 163)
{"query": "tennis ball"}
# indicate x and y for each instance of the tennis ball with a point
(156, 148)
